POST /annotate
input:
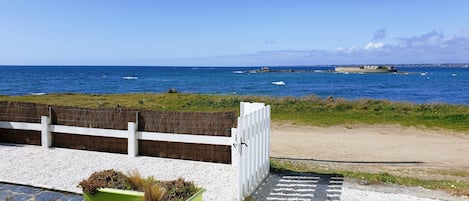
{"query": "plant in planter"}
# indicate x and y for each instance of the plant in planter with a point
(115, 186)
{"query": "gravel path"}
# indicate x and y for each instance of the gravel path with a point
(63, 169)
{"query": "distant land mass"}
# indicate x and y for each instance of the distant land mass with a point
(439, 65)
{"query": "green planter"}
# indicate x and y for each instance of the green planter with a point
(111, 194)
(197, 196)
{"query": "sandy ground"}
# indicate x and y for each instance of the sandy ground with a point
(404, 150)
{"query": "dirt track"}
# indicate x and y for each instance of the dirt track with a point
(431, 154)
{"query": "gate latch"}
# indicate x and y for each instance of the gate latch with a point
(242, 143)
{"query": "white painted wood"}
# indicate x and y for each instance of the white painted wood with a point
(237, 158)
(268, 138)
(233, 145)
(251, 150)
(132, 140)
(258, 153)
(253, 159)
(246, 159)
(247, 108)
(89, 131)
(46, 136)
(198, 139)
(21, 126)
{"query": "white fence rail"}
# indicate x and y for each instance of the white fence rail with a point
(250, 141)
(253, 147)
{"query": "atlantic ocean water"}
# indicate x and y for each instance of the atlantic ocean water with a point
(418, 85)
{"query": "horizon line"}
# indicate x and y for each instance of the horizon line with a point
(215, 66)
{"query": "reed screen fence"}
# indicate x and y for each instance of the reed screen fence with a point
(195, 123)
(170, 122)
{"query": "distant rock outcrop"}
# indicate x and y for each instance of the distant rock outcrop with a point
(172, 91)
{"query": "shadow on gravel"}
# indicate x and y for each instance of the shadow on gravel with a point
(10, 145)
(300, 186)
(352, 162)
(16, 192)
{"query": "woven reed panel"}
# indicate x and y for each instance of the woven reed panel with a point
(186, 151)
(22, 112)
(92, 143)
(20, 136)
(93, 118)
(197, 123)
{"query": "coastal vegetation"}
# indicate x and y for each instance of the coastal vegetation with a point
(308, 110)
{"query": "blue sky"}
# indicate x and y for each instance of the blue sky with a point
(232, 33)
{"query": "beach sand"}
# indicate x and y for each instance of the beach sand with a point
(406, 151)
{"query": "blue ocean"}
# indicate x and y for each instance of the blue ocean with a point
(431, 84)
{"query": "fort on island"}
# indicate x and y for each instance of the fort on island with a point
(338, 69)
(366, 69)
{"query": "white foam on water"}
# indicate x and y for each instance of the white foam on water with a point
(130, 78)
(279, 83)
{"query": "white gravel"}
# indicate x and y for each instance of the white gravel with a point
(63, 169)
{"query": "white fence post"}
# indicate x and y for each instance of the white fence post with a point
(236, 150)
(46, 136)
(234, 147)
(132, 140)
(267, 127)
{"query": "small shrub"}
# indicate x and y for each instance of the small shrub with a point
(135, 179)
(153, 192)
(104, 179)
(179, 189)
(311, 98)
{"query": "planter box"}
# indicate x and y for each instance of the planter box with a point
(111, 194)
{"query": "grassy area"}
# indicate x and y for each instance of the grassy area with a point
(450, 186)
(309, 110)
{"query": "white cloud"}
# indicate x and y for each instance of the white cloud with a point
(347, 50)
(426, 40)
(371, 45)
(465, 32)
(432, 47)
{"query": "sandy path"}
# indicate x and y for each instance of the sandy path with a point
(380, 146)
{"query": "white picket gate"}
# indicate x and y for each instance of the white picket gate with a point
(252, 147)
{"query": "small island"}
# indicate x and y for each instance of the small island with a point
(269, 70)
(339, 69)
(366, 69)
